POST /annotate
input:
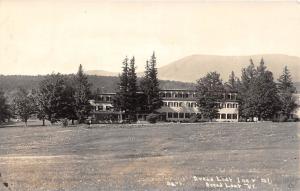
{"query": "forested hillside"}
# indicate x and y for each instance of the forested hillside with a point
(104, 83)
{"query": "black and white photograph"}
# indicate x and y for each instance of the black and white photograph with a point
(128, 95)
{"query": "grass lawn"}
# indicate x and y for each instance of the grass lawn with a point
(206, 156)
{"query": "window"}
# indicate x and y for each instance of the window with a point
(181, 115)
(188, 104)
(168, 94)
(187, 115)
(186, 95)
(175, 104)
(228, 105)
(234, 116)
(223, 116)
(170, 104)
(166, 104)
(107, 108)
(170, 115)
(180, 104)
(234, 96)
(100, 107)
(218, 116)
(228, 96)
(107, 99)
(175, 115)
(228, 116)
(101, 98)
(180, 95)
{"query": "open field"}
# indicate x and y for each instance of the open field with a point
(208, 156)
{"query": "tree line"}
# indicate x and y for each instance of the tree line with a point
(57, 98)
(259, 96)
(66, 97)
(60, 97)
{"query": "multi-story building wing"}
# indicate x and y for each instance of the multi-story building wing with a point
(103, 109)
(180, 105)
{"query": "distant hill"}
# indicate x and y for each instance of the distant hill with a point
(191, 68)
(180, 74)
(104, 83)
(101, 73)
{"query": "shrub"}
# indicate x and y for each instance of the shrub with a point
(283, 118)
(292, 120)
(64, 122)
(193, 119)
(152, 118)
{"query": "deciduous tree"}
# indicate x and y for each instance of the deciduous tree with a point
(24, 105)
(4, 108)
(210, 91)
(56, 96)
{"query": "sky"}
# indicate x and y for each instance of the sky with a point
(41, 37)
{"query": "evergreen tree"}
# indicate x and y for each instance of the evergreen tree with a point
(24, 105)
(248, 74)
(4, 108)
(258, 92)
(286, 90)
(245, 97)
(150, 85)
(121, 99)
(132, 90)
(265, 94)
(285, 82)
(210, 91)
(145, 85)
(233, 83)
(82, 95)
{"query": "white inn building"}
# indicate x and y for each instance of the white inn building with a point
(178, 105)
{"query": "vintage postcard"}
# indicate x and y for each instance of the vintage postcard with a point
(149, 95)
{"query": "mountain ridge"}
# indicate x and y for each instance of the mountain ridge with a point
(195, 66)
(191, 68)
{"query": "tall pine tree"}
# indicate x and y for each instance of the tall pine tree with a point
(132, 91)
(126, 97)
(258, 93)
(82, 94)
(286, 90)
(246, 99)
(120, 101)
(233, 83)
(150, 85)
